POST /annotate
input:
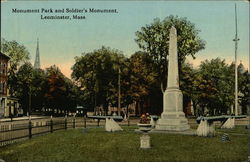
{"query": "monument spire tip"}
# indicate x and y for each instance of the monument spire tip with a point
(173, 30)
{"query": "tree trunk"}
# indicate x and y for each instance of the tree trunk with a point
(162, 88)
(142, 108)
(136, 108)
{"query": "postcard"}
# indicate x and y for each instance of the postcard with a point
(124, 80)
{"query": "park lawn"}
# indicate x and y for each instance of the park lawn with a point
(237, 130)
(97, 145)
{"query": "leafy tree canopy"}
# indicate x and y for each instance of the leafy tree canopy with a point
(96, 73)
(18, 53)
(154, 39)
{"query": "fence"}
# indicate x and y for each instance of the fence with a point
(11, 132)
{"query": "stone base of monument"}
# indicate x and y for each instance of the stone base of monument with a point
(172, 121)
(189, 132)
(145, 141)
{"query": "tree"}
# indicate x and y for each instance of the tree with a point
(154, 38)
(213, 85)
(73, 96)
(56, 90)
(96, 74)
(30, 87)
(142, 80)
(18, 55)
(187, 83)
(23, 85)
(38, 89)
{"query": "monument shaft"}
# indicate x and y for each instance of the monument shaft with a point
(173, 76)
(172, 117)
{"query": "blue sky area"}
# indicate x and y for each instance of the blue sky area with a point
(62, 40)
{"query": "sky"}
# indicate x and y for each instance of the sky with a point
(61, 40)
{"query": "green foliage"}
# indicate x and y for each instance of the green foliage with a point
(214, 86)
(187, 78)
(216, 82)
(97, 73)
(38, 89)
(61, 93)
(44, 89)
(142, 76)
(144, 86)
(18, 55)
(154, 39)
(55, 88)
(23, 86)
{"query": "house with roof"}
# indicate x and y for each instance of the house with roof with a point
(9, 105)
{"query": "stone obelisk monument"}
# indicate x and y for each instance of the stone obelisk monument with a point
(172, 117)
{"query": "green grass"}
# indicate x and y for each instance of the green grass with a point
(98, 145)
(239, 130)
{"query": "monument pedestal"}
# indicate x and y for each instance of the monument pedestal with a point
(145, 141)
(174, 124)
(172, 118)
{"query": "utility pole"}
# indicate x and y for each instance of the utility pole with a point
(119, 92)
(236, 39)
(30, 99)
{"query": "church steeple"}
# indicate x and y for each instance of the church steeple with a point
(37, 60)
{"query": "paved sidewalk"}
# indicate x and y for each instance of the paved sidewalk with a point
(21, 118)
